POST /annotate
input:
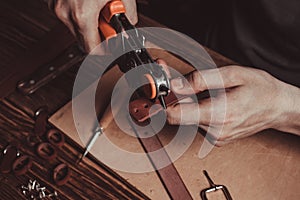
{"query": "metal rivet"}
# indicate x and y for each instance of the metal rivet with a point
(51, 68)
(32, 81)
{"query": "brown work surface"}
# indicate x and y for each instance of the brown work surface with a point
(264, 166)
(25, 34)
(267, 163)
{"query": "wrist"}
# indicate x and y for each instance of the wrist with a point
(289, 109)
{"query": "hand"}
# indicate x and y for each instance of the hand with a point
(81, 17)
(254, 101)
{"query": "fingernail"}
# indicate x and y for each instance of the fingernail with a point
(177, 83)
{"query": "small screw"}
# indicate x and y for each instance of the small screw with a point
(42, 194)
(53, 194)
(37, 187)
(33, 184)
(43, 189)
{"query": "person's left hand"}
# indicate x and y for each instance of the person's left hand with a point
(254, 101)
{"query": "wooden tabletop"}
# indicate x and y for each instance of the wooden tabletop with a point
(31, 36)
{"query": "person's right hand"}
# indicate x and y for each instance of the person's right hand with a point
(81, 17)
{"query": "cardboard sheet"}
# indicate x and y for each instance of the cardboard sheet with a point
(264, 166)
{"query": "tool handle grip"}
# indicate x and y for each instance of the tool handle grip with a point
(112, 8)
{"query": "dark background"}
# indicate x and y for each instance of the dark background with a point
(192, 17)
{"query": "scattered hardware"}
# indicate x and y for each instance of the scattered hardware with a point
(34, 191)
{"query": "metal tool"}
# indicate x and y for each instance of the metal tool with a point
(130, 44)
(91, 142)
(106, 119)
(213, 188)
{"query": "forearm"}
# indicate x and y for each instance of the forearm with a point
(290, 119)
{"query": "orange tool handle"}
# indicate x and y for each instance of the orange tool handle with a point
(111, 8)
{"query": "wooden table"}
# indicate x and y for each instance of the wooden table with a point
(91, 179)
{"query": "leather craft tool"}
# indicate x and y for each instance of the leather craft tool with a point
(152, 77)
(104, 122)
(149, 77)
(125, 40)
(91, 142)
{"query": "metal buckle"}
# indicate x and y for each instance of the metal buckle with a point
(213, 188)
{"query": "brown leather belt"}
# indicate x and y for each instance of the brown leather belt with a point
(168, 175)
(142, 109)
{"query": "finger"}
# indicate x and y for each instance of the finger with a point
(232, 136)
(165, 67)
(209, 133)
(62, 13)
(186, 100)
(183, 114)
(131, 11)
(222, 143)
(189, 114)
(87, 30)
(197, 81)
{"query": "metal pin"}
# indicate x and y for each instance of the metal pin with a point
(32, 82)
(211, 183)
(54, 194)
(51, 68)
(33, 184)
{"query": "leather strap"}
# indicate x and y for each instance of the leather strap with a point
(21, 165)
(168, 175)
(142, 109)
(55, 137)
(61, 174)
(46, 151)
